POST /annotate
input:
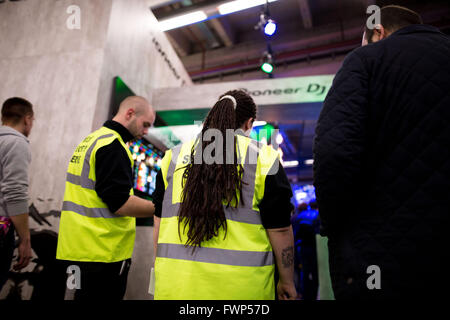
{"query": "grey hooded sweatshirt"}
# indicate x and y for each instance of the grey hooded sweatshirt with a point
(15, 157)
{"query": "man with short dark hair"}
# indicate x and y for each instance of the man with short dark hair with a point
(382, 140)
(392, 19)
(15, 157)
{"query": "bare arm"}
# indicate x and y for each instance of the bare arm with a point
(137, 207)
(282, 241)
(156, 224)
(21, 225)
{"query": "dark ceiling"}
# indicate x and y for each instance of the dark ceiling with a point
(230, 43)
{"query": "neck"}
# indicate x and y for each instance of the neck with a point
(244, 132)
(120, 120)
(15, 127)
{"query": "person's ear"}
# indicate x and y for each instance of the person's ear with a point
(129, 114)
(27, 120)
(380, 32)
(249, 124)
(383, 33)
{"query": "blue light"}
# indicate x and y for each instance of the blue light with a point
(270, 28)
(304, 193)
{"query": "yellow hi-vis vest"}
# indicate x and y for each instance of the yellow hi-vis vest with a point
(238, 267)
(88, 231)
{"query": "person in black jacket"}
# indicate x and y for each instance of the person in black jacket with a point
(383, 140)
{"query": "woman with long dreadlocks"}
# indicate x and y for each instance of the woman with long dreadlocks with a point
(222, 219)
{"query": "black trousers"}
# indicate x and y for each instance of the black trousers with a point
(309, 283)
(102, 281)
(7, 245)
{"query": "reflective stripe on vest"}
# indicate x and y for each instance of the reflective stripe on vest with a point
(215, 255)
(219, 268)
(84, 180)
(88, 212)
(89, 231)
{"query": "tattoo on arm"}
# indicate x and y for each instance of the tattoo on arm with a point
(287, 257)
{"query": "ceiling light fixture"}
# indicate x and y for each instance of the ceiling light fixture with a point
(183, 20)
(238, 5)
(259, 123)
(267, 67)
(270, 28)
(290, 164)
(267, 63)
(266, 24)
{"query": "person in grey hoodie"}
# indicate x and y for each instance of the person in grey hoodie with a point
(15, 156)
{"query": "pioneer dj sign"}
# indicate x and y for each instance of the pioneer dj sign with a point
(312, 88)
(264, 92)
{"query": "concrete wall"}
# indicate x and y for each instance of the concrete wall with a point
(68, 76)
(142, 262)
(143, 57)
(132, 54)
(58, 70)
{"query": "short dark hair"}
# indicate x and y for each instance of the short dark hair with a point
(15, 109)
(395, 17)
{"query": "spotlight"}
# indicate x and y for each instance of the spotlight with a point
(279, 139)
(267, 63)
(270, 28)
(268, 25)
(267, 67)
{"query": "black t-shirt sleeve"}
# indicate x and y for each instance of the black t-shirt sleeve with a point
(158, 194)
(114, 177)
(276, 207)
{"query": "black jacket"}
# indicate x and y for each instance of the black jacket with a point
(382, 166)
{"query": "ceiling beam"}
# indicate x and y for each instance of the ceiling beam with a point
(305, 12)
(210, 38)
(223, 30)
(287, 57)
(180, 44)
(283, 43)
(209, 7)
(154, 4)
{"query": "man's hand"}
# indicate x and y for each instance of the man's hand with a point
(24, 254)
(21, 225)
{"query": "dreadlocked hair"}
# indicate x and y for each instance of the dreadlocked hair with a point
(207, 187)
